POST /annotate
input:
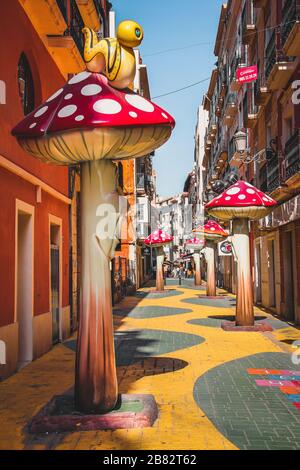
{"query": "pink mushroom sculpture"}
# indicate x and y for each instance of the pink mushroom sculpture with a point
(212, 233)
(88, 122)
(158, 240)
(240, 203)
(196, 244)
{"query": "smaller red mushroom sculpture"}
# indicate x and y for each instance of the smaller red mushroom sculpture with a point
(196, 244)
(213, 233)
(240, 203)
(158, 240)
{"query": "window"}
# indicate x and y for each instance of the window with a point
(26, 85)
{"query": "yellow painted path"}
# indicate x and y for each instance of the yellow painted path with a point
(181, 423)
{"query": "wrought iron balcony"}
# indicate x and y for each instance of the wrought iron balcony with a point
(74, 21)
(273, 174)
(142, 230)
(261, 91)
(292, 156)
(230, 108)
(250, 111)
(291, 27)
(248, 23)
(279, 67)
(140, 182)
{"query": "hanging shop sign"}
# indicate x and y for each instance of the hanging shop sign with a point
(247, 74)
(225, 248)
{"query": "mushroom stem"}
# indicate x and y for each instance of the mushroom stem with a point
(197, 258)
(96, 389)
(244, 305)
(160, 256)
(211, 269)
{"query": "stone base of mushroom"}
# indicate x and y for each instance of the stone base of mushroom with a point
(211, 290)
(244, 306)
(197, 261)
(160, 256)
(96, 389)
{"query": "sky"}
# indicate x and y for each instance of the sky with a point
(170, 24)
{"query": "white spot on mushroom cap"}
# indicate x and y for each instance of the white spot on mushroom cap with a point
(79, 77)
(133, 114)
(233, 191)
(55, 95)
(107, 106)
(32, 125)
(140, 103)
(79, 117)
(164, 115)
(68, 96)
(242, 197)
(41, 111)
(250, 191)
(67, 111)
(228, 198)
(91, 90)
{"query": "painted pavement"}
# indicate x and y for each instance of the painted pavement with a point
(211, 386)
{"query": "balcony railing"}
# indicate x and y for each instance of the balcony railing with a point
(290, 14)
(273, 174)
(140, 182)
(292, 155)
(271, 55)
(74, 21)
(248, 23)
(142, 230)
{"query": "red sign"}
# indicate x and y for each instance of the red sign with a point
(247, 74)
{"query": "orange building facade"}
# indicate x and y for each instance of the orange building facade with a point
(44, 47)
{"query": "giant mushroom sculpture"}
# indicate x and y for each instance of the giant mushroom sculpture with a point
(158, 240)
(240, 203)
(213, 233)
(88, 122)
(196, 244)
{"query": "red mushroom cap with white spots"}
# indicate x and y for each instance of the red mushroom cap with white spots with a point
(113, 123)
(242, 200)
(158, 238)
(211, 231)
(196, 244)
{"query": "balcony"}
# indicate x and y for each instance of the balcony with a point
(273, 174)
(142, 230)
(92, 14)
(230, 108)
(250, 113)
(279, 68)
(248, 24)
(261, 91)
(140, 183)
(291, 27)
(292, 161)
(212, 129)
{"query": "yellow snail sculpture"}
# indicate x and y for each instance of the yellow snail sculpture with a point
(114, 57)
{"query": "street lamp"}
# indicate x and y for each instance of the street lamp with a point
(244, 152)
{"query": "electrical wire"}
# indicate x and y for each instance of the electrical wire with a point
(183, 88)
(188, 46)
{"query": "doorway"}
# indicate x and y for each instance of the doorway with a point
(289, 277)
(271, 269)
(24, 281)
(55, 280)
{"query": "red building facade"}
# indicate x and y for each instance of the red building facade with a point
(34, 204)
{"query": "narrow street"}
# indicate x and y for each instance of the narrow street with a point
(212, 387)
